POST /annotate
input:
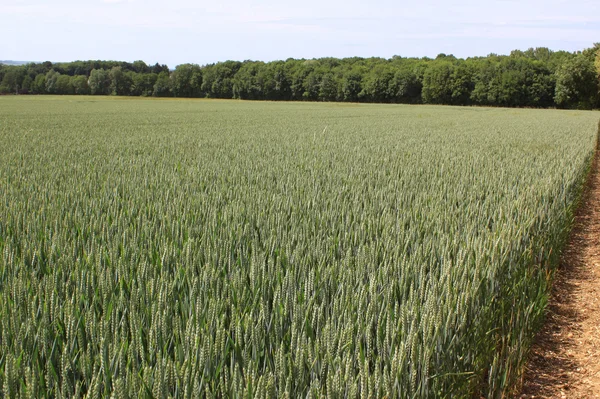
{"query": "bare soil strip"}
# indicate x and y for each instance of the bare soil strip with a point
(565, 359)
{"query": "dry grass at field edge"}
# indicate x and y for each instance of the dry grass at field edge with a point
(564, 359)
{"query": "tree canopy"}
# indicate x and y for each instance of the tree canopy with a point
(537, 77)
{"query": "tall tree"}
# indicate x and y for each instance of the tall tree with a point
(217, 79)
(11, 81)
(328, 90)
(351, 83)
(437, 82)
(140, 67)
(378, 84)
(26, 85)
(51, 80)
(99, 82)
(162, 87)
(405, 86)
(275, 84)
(187, 80)
(577, 84)
(246, 82)
(80, 84)
(64, 85)
(120, 82)
(143, 84)
(39, 84)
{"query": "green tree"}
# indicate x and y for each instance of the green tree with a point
(158, 68)
(274, 81)
(11, 81)
(577, 84)
(217, 79)
(246, 84)
(162, 87)
(597, 58)
(437, 83)
(378, 85)
(39, 84)
(312, 85)
(462, 83)
(328, 90)
(405, 87)
(514, 81)
(26, 84)
(541, 90)
(140, 67)
(297, 71)
(64, 85)
(187, 80)
(80, 84)
(51, 80)
(99, 82)
(143, 84)
(351, 83)
(120, 82)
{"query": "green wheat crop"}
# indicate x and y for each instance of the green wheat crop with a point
(165, 248)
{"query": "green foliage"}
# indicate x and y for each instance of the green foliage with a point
(11, 81)
(140, 67)
(514, 82)
(26, 84)
(193, 249)
(120, 82)
(51, 80)
(143, 84)
(351, 85)
(406, 86)
(217, 79)
(99, 82)
(438, 84)
(597, 59)
(187, 81)
(163, 85)
(377, 84)
(329, 87)
(312, 83)
(597, 67)
(80, 84)
(39, 84)
(64, 85)
(577, 84)
(522, 79)
(275, 82)
(246, 83)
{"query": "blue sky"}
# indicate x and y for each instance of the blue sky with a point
(179, 31)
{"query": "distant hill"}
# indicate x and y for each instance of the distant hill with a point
(11, 62)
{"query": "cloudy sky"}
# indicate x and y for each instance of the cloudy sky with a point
(179, 31)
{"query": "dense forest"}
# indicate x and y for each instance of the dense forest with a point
(534, 78)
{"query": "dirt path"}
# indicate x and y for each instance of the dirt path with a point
(565, 361)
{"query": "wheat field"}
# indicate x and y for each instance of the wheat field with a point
(204, 248)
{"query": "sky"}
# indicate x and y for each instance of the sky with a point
(173, 32)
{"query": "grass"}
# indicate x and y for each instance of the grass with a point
(190, 248)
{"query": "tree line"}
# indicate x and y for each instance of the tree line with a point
(538, 77)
